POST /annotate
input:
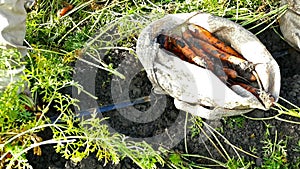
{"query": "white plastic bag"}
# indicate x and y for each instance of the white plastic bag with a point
(195, 89)
(290, 23)
(12, 34)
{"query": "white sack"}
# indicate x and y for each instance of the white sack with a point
(195, 89)
(13, 25)
(290, 23)
(12, 34)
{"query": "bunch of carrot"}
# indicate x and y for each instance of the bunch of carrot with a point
(198, 46)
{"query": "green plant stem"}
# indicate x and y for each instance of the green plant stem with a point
(229, 143)
(185, 134)
(25, 132)
(52, 141)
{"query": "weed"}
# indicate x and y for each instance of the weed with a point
(253, 150)
(275, 155)
(92, 136)
(238, 163)
(236, 121)
(196, 127)
(281, 111)
(297, 148)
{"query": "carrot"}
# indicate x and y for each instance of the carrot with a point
(198, 45)
(212, 64)
(220, 73)
(237, 59)
(251, 89)
(256, 92)
(230, 73)
(64, 10)
(216, 53)
(178, 46)
(164, 42)
(202, 54)
(249, 76)
(252, 78)
(203, 34)
(195, 56)
(244, 73)
(198, 49)
(177, 52)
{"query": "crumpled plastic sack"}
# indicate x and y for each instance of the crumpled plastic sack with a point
(195, 89)
(12, 34)
(290, 23)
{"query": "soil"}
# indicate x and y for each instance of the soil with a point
(247, 134)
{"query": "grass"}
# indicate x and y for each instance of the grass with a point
(56, 42)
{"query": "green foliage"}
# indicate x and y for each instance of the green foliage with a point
(12, 111)
(275, 153)
(236, 121)
(15, 119)
(196, 127)
(176, 161)
(10, 59)
(238, 163)
(19, 121)
(93, 136)
(48, 74)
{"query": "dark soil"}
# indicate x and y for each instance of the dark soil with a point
(246, 134)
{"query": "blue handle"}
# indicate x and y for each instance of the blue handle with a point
(108, 107)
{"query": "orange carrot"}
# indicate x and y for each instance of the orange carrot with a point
(64, 10)
(251, 89)
(203, 34)
(177, 46)
(256, 92)
(198, 45)
(212, 50)
(163, 41)
(230, 73)
(244, 73)
(214, 65)
(252, 78)
(192, 55)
